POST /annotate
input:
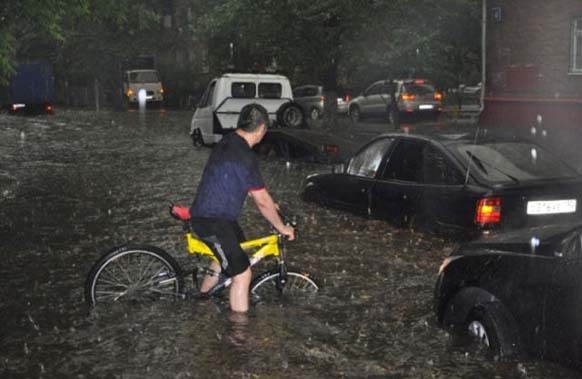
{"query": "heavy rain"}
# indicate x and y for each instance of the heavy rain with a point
(109, 112)
(75, 184)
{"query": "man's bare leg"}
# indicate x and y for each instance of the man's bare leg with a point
(239, 291)
(210, 281)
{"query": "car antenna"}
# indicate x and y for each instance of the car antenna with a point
(471, 160)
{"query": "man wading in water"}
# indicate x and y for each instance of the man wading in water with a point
(232, 173)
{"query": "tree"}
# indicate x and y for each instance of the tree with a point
(31, 29)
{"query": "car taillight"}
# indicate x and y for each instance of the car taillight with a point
(408, 96)
(488, 211)
(161, 90)
(419, 81)
(322, 98)
(348, 98)
(331, 149)
(438, 96)
(49, 108)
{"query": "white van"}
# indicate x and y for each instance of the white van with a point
(219, 107)
(148, 80)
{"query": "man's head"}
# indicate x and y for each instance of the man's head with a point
(252, 116)
(253, 122)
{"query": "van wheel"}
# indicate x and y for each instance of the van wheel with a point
(291, 116)
(197, 140)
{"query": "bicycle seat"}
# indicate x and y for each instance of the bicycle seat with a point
(180, 213)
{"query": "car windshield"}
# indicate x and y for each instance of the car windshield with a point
(143, 77)
(512, 161)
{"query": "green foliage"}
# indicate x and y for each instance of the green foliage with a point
(350, 42)
(366, 40)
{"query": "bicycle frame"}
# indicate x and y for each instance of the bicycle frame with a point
(266, 247)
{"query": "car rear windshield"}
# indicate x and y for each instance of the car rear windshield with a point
(513, 161)
(418, 89)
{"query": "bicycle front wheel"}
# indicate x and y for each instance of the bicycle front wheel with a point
(133, 273)
(268, 287)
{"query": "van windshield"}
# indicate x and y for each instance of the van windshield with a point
(143, 77)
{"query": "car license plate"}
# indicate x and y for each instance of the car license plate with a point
(551, 207)
(425, 106)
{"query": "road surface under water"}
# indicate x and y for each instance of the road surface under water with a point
(75, 184)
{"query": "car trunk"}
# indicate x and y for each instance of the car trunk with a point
(540, 203)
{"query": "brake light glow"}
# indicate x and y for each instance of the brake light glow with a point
(408, 96)
(331, 149)
(348, 98)
(49, 108)
(488, 211)
(419, 81)
(438, 96)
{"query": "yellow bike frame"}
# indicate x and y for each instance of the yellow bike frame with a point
(263, 247)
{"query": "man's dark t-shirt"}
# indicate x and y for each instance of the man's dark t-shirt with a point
(232, 171)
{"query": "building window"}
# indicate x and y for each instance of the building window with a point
(576, 62)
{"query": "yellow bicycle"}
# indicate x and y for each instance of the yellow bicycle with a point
(142, 272)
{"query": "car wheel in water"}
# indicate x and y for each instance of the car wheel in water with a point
(314, 114)
(491, 325)
(197, 140)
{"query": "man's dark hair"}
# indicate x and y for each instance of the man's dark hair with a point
(252, 116)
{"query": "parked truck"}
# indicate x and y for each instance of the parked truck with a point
(140, 73)
(30, 90)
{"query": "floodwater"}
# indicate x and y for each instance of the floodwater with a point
(75, 184)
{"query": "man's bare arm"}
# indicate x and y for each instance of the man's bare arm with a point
(268, 209)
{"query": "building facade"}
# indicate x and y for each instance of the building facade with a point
(533, 62)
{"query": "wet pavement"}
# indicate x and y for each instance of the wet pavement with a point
(75, 184)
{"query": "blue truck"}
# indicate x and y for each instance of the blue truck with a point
(31, 89)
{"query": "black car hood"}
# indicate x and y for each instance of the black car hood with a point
(543, 240)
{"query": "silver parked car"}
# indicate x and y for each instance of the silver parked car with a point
(311, 99)
(415, 97)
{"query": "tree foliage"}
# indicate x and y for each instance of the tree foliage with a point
(327, 41)
(366, 40)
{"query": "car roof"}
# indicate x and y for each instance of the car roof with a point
(254, 76)
(307, 86)
(450, 132)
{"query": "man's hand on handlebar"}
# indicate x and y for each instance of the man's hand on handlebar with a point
(288, 231)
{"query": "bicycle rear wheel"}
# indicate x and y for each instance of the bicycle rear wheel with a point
(267, 287)
(133, 273)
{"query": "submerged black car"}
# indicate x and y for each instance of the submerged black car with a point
(462, 180)
(517, 292)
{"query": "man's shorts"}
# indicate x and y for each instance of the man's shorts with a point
(224, 238)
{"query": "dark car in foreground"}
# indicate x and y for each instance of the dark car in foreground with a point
(517, 292)
(460, 180)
